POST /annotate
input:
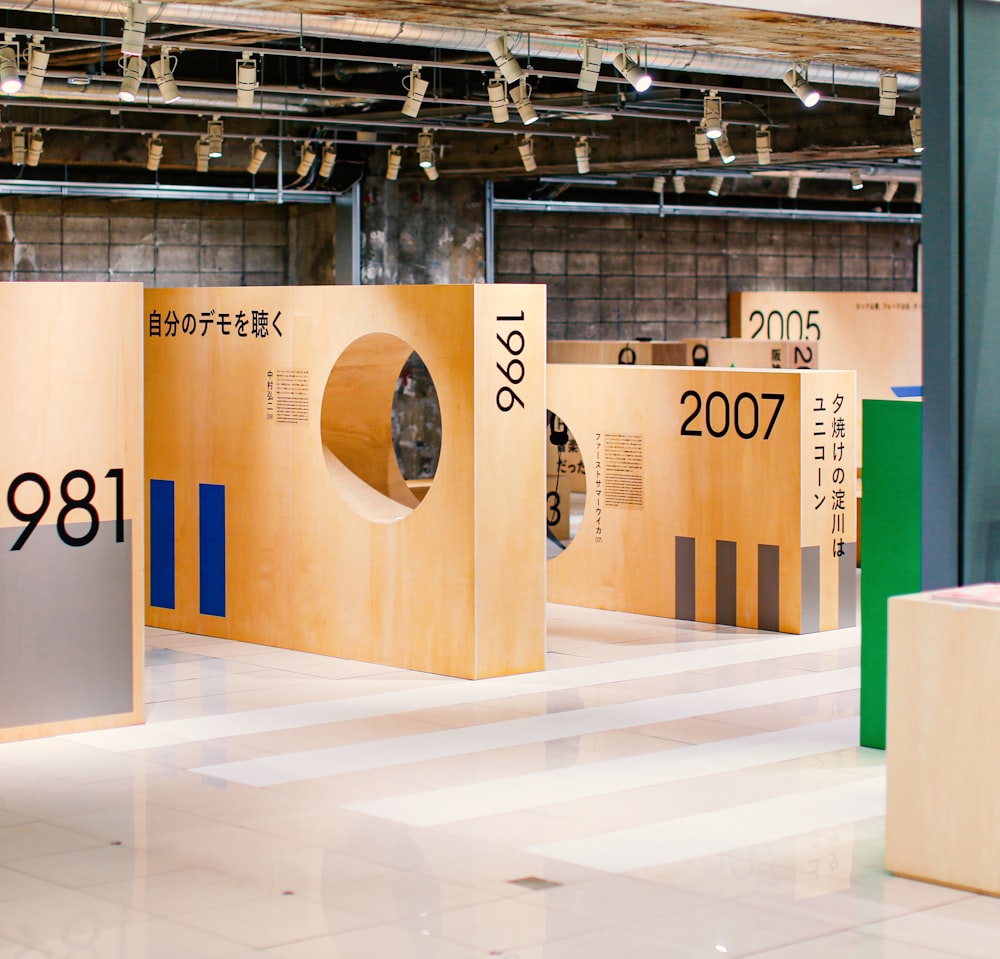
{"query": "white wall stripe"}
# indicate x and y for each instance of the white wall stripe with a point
(175, 732)
(705, 834)
(435, 807)
(316, 763)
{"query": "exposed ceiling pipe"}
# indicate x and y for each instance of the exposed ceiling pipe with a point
(655, 56)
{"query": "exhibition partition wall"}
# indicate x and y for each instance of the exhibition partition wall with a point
(718, 351)
(71, 517)
(277, 511)
(718, 495)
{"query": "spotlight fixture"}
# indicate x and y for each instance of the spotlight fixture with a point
(19, 146)
(133, 69)
(917, 131)
(425, 149)
(306, 157)
(582, 150)
(856, 182)
(246, 79)
(631, 71)
(163, 73)
(504, 59)
(797, 80)
(10, 78)
(329, 158)
(154, 153)
(215, 129)
(659, 182)
(134, 32)
(711, 119)
(679, 186)
(725, 150)
(590, 69)
(257, 157)
(201, 155)
(395, 162)
(794, 181)
(891, 187)
(527, 150)
(762, 141)
(715, 187)
(432, 172)
(521, 95)
(35, 146)
(497, 90)
(918, 193)
(702, 145)
(416, 90)
(38, 63)
(888, 91)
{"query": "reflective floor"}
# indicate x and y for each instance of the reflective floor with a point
(661, 790)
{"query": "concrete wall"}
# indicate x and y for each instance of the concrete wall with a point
(625, 276)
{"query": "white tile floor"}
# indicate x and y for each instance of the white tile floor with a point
(674, 790)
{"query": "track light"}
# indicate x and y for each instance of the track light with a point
(590, 69)
(432, 172)
(762, 140)
(891, 187)
(715, 187)
(702, 145)
(306, 157)
(35, 146)
(329, 158)
(794, 181)
(725, 150)
(797, 80)
(582, 150)
(10, 78)
(257, 157)
(416, 90)
(395, 162)
(38, 63)
(711, 119)
(163, 73)
(856, 182)
(246, 79)
(133, 69)
(425, 149)
(917, 131)
(521, 95)
(19, 147)
(631, 71)
(659, 182)
(679, 186)
(154, 153)
(527, 150)
(504, 59)
(215, 129)
(201, 155)
(497, 90)
(134, 32)
(888, 91)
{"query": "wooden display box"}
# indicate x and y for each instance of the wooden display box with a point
(718, 351)
(943, 776)
(71, 511)
(718, 495)
(278, 513)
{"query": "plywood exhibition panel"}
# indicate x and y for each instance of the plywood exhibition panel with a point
(718, 351)
(278, 513)
(71, 513)
(717, 495)
(942, 772)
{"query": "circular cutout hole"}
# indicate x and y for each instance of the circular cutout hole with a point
(366, 426)
(566, 484)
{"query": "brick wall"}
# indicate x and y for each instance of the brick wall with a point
(613, 277)
(155, 243)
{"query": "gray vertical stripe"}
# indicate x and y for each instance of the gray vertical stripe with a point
(725, 582)
(810, 589)
(848, 589)
(684, 578)
(768, 587)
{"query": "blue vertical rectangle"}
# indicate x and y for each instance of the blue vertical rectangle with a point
(162, 576)
(212, 548)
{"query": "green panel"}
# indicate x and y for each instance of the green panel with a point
(890, 541)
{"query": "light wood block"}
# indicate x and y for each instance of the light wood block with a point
(717, 351)
(943, 774)
(716, 528)
(71, 588)
(321, 546)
